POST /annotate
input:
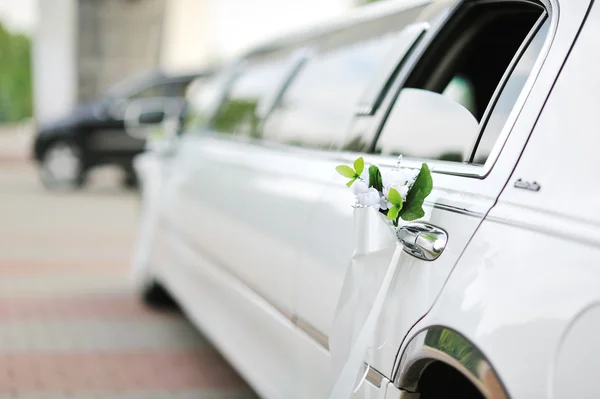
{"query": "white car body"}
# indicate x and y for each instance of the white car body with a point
(253, 240)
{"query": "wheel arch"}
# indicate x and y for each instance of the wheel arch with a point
(47, 139)
(443, 345)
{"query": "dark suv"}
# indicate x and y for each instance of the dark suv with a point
(97, 133)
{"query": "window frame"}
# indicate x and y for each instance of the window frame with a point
(461, 168)
(156, 84)
(293, 62)
(380, 84)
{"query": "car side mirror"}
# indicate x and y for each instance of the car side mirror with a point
(151, 117)
(443, 125)
(155, 118)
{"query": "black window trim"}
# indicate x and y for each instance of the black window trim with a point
(384, 80)
(298, 58)
(504, 80)
(459, 168)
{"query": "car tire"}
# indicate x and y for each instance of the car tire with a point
(156, 296)
(62, 167)
(130, 180)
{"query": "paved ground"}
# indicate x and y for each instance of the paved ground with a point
(70, 325)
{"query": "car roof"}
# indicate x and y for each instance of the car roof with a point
(150, 77)
(357, 16)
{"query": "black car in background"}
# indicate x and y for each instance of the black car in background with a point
(103, 131)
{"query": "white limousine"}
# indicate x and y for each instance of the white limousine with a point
(249, 227)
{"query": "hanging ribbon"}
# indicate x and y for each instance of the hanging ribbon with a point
(368, 279)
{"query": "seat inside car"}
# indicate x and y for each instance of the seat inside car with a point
(475, 51)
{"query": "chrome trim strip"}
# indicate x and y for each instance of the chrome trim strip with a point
(375, 377)
(441, 344)
(312, 332)
(459, 211)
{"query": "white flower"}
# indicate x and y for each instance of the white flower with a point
(384, 204)
(370, 198)
(364, 176)
(402, 190)
(400, 179)
(396, 177)
(360, 187)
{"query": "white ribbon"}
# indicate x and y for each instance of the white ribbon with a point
(153, 176)
(365, 289)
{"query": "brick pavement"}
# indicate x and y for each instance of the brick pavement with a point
(70, 324)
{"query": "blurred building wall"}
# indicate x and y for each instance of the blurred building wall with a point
(82, 47)
(115, 38)
(186, 33)
(200, 32)
(54, 59)
(240, 24)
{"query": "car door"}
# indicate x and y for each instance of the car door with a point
(231, 203)
(312, 118)
(493, 86)
(155, 165)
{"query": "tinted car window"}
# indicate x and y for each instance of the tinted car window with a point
(465, 64)
(259, 78)
(319, 104)
(509, 96)
(203, 99)
(150, 92)
(176, 89)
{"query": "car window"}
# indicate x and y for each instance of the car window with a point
(466, 64)
(509, 96)
(203, 99)
(176, 89)
(319, 104)
(461, 90)
(238, 112)
(149, 92)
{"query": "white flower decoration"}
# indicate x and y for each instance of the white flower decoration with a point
(400, 179)
(360, 187)
(370, 198)
(384, 204)
(364, 176)
(395, 203)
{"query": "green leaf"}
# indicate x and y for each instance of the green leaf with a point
(351, 182)
(393, 213)
(422, 187)
(413, 207)
(359, 165)
(395, 198)
(375, 178)
(412, 214)
(346, 171)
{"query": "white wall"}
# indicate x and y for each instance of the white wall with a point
(185, 33)
(54, 62)
(240, 24)
(198, 31)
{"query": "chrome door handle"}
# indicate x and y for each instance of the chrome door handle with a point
(422, 240)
